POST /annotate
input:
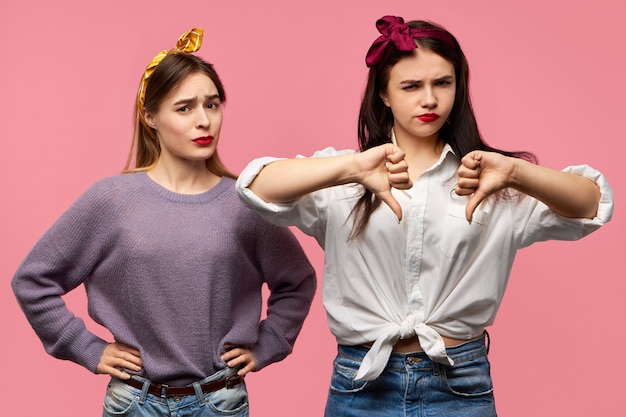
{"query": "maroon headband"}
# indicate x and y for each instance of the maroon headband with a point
(393, 29)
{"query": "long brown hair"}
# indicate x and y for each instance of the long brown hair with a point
(170, 72)
(376, 119)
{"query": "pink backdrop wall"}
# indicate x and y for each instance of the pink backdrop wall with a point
(547, 76)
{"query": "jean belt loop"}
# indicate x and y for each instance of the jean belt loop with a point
(144, 391)
(436, 369)
(488, 340)
(198, 389)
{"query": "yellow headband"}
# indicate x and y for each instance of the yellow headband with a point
(188, 42)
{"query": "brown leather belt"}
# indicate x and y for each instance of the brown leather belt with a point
(163, 390)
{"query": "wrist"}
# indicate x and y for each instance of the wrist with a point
(352, 169)
(516, 176)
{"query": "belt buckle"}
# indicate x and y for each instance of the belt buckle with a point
(228, 382)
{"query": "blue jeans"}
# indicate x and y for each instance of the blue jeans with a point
(123, 400)
(414, 386)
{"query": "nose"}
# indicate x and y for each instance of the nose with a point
(428, 99)
(203, 121)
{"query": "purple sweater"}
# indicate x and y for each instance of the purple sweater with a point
(175, 275)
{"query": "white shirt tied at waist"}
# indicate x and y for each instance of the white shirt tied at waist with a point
(432, 273)
(376, 359)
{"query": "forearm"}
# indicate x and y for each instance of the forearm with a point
(63, 335)
(291, 280)
(568, 194)
(289, 179)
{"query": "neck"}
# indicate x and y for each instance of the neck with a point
(421, 153)
(183, 178)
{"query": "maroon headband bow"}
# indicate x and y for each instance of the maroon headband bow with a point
(393, 29)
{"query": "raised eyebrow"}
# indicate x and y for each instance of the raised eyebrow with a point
(185, 101)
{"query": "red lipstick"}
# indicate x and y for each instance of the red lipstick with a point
(204, 141)
(428, 117)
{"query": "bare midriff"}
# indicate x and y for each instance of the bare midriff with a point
(413, 345)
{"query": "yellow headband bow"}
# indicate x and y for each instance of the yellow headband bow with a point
(188, 42)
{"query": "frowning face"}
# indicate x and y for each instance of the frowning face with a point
(420, 94)
(189, 120)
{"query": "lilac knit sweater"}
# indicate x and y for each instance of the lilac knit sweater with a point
(175, 275)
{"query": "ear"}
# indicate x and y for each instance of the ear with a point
(384, 98)
(149, 119)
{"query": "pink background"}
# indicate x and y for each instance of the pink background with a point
(547, 76)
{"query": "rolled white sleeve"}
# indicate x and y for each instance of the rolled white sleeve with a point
(307, 213)
(544, 224)
(267, 210)
(605, 207)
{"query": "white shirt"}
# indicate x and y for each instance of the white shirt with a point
(432, 274)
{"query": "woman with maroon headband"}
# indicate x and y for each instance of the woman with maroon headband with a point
(410, 286)
(173, 263)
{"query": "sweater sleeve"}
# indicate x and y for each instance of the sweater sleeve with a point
(58, 263)
(291, 281)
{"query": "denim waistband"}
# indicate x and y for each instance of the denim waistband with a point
(464, 352)
(222, 373)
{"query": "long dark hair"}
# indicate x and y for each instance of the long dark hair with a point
(170, 72)
(376, 119)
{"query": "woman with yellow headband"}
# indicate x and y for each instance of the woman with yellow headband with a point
(172, 262)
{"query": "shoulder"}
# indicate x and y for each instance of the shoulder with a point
(225, 195)
(117, 183)
(111, 191)
(244, 219)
